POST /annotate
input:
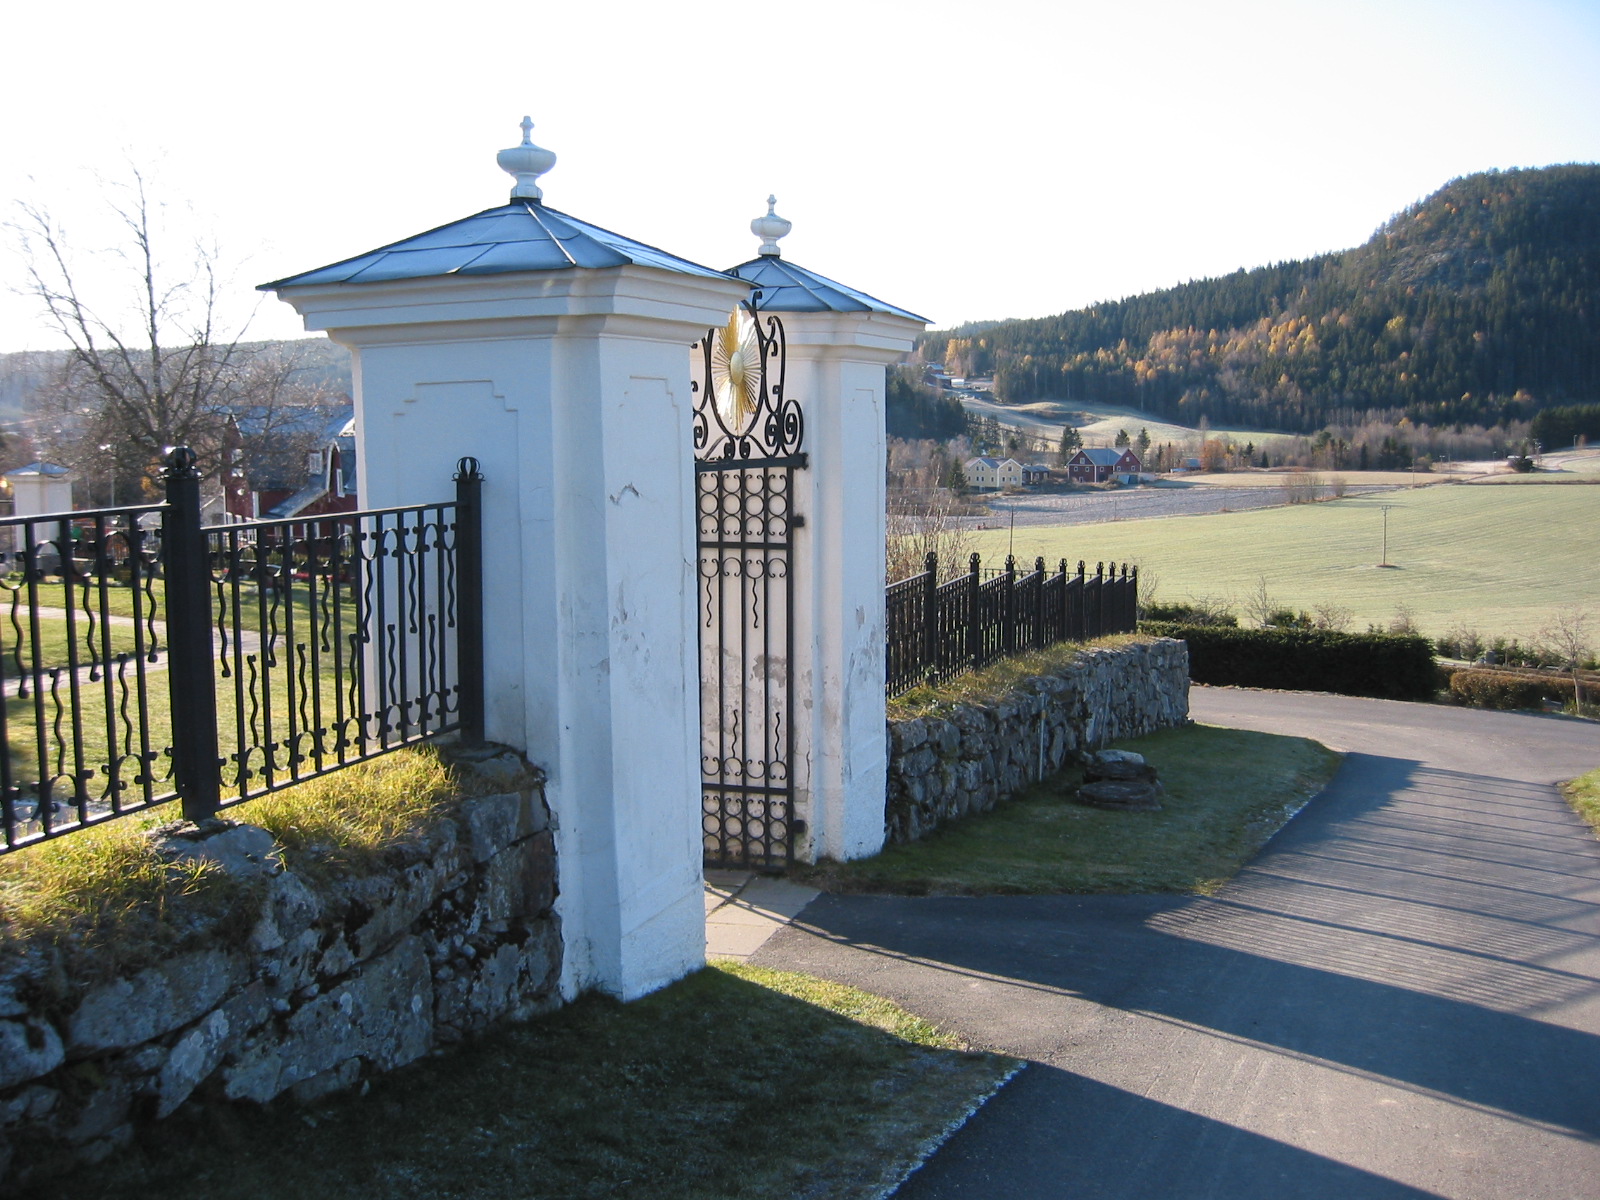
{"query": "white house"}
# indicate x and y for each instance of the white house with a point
(993, 474)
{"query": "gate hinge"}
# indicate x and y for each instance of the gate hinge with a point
(797, 521)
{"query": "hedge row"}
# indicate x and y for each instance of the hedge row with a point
(1502, 689)
(1386, 665)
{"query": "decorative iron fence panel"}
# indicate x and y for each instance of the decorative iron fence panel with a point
(937, 631)
(147, 659)
(82, 645)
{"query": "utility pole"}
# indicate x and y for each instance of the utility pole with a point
(1385, 508)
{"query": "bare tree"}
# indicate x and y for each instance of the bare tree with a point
(1149, 584)
(1404, 620)
(1333, 617)
(1259, 605)
(149, 365)
(1567, 636)
(927, 524)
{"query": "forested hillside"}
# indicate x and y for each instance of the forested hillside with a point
(1478, 305)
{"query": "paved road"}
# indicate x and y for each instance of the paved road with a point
(1399, 998)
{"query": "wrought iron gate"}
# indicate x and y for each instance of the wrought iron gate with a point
(747, 438)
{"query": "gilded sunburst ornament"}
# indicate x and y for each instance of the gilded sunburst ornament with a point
(736, 371)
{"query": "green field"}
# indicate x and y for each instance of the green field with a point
(1497, 559)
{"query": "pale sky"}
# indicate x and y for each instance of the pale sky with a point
(966, 161)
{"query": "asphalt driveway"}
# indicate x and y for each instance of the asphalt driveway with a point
(1399, 998)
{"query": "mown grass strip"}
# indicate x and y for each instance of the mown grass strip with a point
(1227, 792)
(737, 1083)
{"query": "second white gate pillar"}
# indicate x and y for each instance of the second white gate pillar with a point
(840, 342)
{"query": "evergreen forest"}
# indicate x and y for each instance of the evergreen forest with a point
(1479, 305)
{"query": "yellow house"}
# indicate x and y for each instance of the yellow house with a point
(993, 474)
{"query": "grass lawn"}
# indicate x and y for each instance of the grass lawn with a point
(1498, 559)
(53, 642)
(1583, 793)
(120, 602)
(1228, 791)
(97, 733)
(736, 1082)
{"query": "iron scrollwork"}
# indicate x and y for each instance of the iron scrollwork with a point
(741, 411)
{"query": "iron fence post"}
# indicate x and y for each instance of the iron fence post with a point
(930, 613)
(196, 765)
(974, 611)
(1064, 631)
(1008, 619)
(1040, 641)
(1100, 599)
(469, 583)
(1081, 625)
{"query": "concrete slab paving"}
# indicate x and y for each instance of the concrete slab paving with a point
(744, 909)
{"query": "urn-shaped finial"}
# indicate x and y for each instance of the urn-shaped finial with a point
(525, 163)
(770, 228)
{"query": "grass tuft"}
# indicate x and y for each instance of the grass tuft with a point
(1583, 793)
(994, 682)
(107, 890)
(351, 820)
(1227, 792)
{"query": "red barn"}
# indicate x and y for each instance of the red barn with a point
(1097, 464)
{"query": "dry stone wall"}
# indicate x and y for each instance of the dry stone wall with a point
(322, 984)
(966, 760)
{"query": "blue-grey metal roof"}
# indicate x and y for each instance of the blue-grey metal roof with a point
(1103, 456)
(40, 468)
(520, 236)
(989, 461)
(786, 287)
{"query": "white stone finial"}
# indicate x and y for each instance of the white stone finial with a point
(770, 228)
(525, 163)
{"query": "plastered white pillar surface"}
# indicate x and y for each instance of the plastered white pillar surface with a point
(572, 390)
(836, 367)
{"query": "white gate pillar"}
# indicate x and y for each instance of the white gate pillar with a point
(556, 354)
(839, 344)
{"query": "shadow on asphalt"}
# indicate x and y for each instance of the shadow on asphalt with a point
(1419, 931)
(1242, 1165)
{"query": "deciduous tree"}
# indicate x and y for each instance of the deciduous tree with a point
(150, 363)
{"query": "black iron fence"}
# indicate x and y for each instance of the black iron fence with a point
(145, 658)
(939, 630)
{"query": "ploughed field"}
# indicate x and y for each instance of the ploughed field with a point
(1499, 559)
(1127, 504)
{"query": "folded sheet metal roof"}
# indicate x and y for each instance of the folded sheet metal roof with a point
(786, 287)
(520, 236)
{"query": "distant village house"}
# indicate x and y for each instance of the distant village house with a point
(309, 470)
(993, 474)
(1098, 464)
